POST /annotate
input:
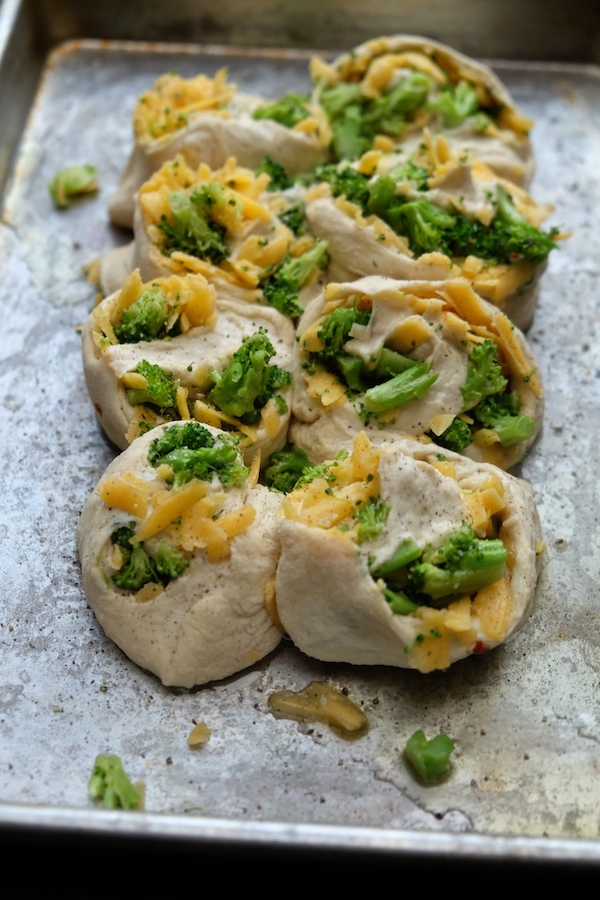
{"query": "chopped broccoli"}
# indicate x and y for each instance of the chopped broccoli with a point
(295, 219)
(109, 783)
(144, 319)
(282, 286)
(288, 110)
(462, 564)
(371, 518)
(484, 374)
(356, 120)
(411, 384)
(160, 390)
(518, 238)
(456, 437)
(408, 551)
(500, 413)
(137, 571)
(286, 467)
(335, 330)
(279, 178)
(192, 452)
(426, 225)
(409, 171)
(138, 567)
(345, 181)
(249, 381)
(191, 228)
(169, 562)
(71, 182)
(399, 603)
(430, 759)
(455, 103)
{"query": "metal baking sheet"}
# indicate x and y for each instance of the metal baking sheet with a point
(525, 718)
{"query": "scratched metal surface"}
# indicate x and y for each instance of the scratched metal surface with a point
(525, 718)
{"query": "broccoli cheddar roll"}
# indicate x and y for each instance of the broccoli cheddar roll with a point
(433, 216)
(168, 349)
(409, 557)
(208, 120)
(225, 224)
(427, 359)
(387, 92)
(178, 554)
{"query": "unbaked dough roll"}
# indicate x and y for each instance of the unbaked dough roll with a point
(408, 557)
(427, 359)
(178, 554)
(169, 349)
(387, 91)
(433, 216)
(226, 225)
(208, 120)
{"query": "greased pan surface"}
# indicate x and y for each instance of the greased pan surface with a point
(524, 718)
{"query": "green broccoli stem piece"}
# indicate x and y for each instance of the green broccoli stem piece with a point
(405, 553)
(399, 603)
(109, 783)
(389, 362)
(430, 759)
(462, 565)
(409, 385)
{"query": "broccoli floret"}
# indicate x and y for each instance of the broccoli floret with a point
(110, 784)
(288, 110)
(462, 564)
(192, 452)
(455, 104)
(500, 413)
(281, 288)
(279, 178)
(408, 385)
(371, 518)
(191, 228)
(144, 319)
(138, 571)
(169, 562)
(517, 237)
(249, 381)
(191, 435)
(335, 330)
(356, 120)
(160, 390)
(295, 219)
(409, 171)
(139, 567)
(347, 182)
(71, 182)
(484, 374)
(286, 467)
(456, 437)
(430, 759)
(426, 225)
